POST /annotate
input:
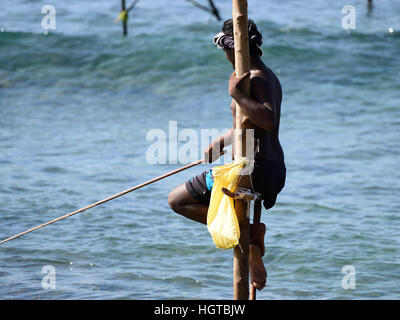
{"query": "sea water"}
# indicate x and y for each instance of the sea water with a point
(77, 103)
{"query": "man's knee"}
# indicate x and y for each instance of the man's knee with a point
(173, 201)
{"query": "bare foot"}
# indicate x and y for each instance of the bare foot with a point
(258, 274)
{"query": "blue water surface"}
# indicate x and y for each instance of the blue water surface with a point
(77, 103)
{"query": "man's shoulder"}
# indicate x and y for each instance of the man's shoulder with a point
(265, 84)
(266, 76)
(262, 80)
(259, 78)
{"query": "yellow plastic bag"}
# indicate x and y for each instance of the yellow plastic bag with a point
(222, 221)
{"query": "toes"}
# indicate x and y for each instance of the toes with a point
(259, 285)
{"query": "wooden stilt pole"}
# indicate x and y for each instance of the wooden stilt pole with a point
(242, 65)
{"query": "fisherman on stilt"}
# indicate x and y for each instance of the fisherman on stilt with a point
(263, 108)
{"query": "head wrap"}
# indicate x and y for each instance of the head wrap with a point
(224, 41)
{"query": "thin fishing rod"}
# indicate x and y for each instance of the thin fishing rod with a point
(117, 195)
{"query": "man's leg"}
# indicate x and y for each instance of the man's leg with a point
(183, 203)
(258, 274)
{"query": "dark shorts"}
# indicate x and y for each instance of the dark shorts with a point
(268, 179)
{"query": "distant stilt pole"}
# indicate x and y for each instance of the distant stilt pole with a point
(214, 10)
(211, 9)
(370, 5)
(124, 19)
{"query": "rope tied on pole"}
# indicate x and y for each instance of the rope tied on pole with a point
(123, 15)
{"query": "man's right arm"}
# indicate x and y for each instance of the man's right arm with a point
(214, 150)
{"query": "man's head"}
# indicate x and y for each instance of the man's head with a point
(224, 40)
